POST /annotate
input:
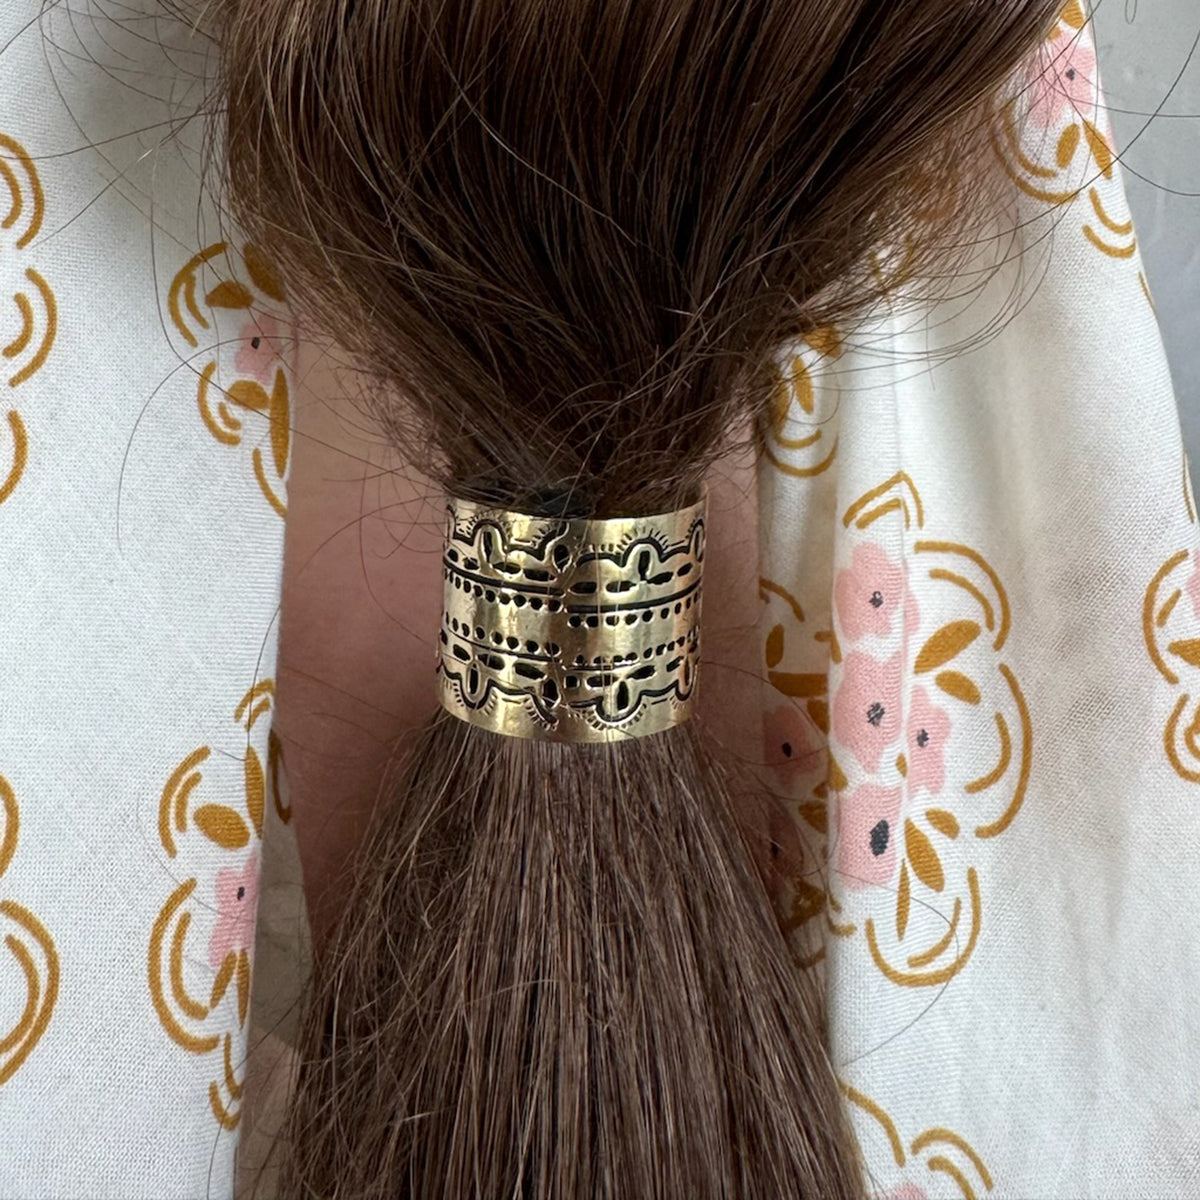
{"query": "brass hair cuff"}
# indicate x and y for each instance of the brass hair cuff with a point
(570, 630)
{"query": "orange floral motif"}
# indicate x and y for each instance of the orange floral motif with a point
(225, 904)
(800, 437)
(29, 942)
(29, 328)
(257, 357)
(1171, 628)
(1053, 138)
(929, 738)
(937, 1157)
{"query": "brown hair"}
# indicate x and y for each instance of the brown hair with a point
(568, 236)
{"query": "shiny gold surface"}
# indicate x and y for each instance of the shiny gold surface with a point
(570, 630)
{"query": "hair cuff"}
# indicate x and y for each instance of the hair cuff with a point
(570, 630)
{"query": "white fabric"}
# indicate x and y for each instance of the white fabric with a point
(140, 557)
(999, 549)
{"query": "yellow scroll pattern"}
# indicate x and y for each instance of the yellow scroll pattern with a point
(198, 823)
(1171, 630)
(799, 437)
(33, 956)
(29, 326)
(937, 1158)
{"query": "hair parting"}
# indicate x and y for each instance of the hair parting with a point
(569, 237)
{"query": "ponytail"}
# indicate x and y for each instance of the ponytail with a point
(568, 237)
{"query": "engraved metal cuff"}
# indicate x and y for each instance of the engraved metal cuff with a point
(570, 630)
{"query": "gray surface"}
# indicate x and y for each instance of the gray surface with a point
(1144, 45)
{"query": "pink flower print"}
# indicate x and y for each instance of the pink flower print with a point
(928, 729)
(1192, 587)
(789, 743)
(237, 901)
(1067, 84)
(866, 833)
(866, 706)
(869, 592)
(265, 343)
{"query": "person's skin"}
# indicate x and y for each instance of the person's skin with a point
(362, 604)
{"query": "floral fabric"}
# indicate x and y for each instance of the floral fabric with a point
(980, 631)
(144, 450)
